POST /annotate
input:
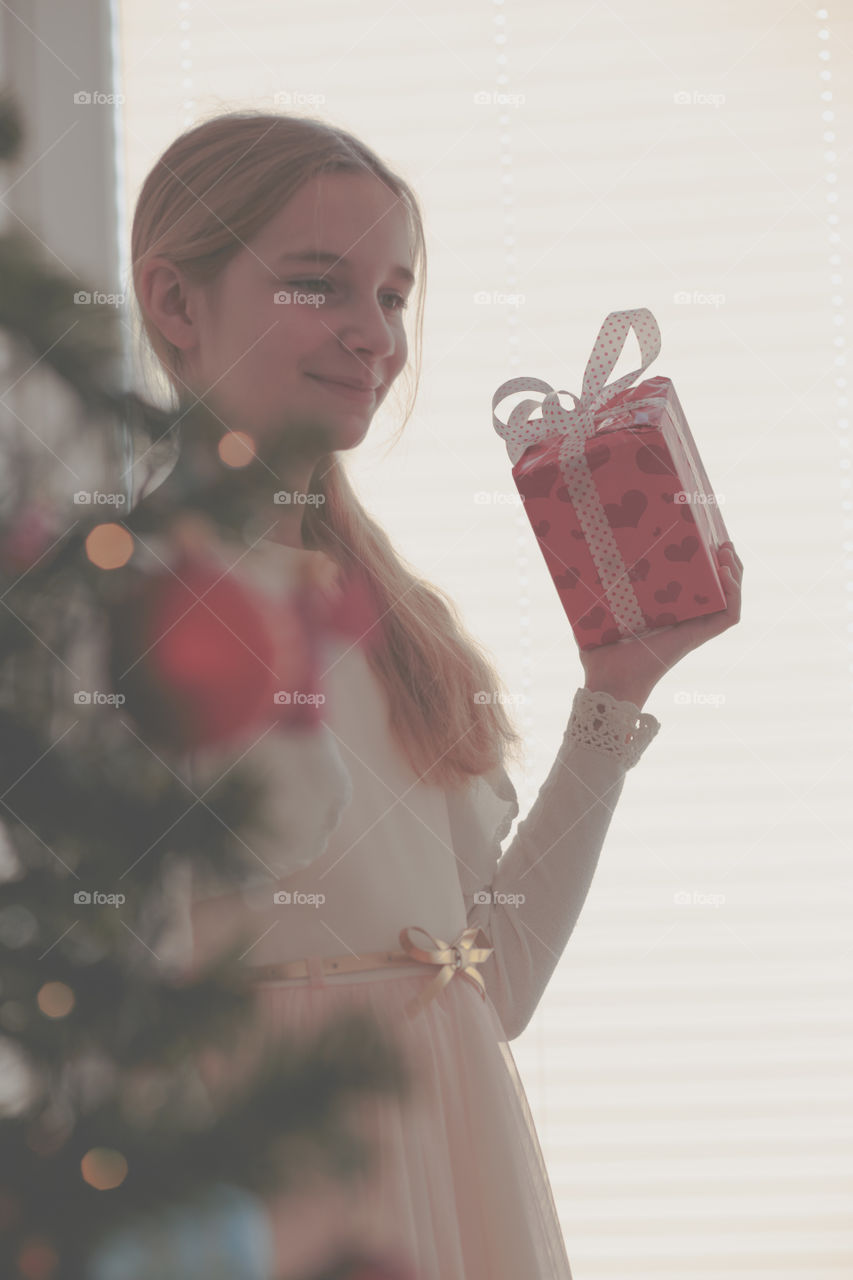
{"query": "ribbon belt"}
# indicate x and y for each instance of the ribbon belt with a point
(459, 957)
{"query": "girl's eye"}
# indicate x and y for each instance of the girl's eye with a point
(301, 284)
(327, 284)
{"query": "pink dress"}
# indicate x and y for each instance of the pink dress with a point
(460, 1187)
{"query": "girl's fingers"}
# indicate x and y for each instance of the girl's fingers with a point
(730, 546)
(727, 554)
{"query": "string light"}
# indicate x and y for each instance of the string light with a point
(109, 546)
(236, 449)
(37, 1259)
(55, 999)
(103, 1168)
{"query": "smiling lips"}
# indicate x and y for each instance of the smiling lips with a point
(354, 383)
(361, 392)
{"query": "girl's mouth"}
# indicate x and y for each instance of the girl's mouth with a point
(361, 395)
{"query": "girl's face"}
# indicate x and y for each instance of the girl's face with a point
(271, 338)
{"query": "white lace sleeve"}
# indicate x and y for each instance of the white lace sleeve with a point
(604, 723)
(528, 898)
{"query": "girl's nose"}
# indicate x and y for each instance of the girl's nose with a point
(365, 330)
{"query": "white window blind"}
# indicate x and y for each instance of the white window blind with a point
(689, 1068)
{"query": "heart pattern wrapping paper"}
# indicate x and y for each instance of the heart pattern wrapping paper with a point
(617, 495)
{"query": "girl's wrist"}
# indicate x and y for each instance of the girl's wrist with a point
(621, 690)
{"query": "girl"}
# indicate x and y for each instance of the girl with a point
(274, 259)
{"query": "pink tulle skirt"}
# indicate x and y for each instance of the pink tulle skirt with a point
(459, 1189)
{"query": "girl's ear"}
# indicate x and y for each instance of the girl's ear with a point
(170, 302)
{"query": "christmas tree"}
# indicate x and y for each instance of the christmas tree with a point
(115, 1158)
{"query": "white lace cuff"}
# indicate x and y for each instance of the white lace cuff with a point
(615, 728)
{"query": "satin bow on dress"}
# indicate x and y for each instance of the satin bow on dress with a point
(460, 956)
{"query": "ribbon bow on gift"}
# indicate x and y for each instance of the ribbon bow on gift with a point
(579, 423)
(455, 957)
(577, 426)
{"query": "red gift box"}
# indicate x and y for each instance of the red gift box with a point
(617, 495)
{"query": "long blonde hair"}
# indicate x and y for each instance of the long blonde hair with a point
(211, 191)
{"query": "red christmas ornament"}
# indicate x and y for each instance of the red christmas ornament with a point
(201, 656)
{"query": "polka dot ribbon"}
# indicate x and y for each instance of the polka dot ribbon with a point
(577, 425)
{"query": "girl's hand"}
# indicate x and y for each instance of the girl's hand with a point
(630, 669)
